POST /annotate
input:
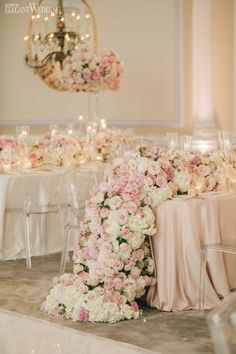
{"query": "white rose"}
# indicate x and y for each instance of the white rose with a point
(143, 164)
(98, 198)
(182, 180)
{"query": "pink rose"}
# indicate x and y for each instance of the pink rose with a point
(134, 306)
(83, 315)
(117, 283)
(161, 181)
(124, 169)
(204, 170)
(86, 73)
(115, 202)
(33, 156)
(131, 207)
(138, 255)
(122, 216)
(135, 273)
(104, 212)
(147, 200)
(170, 173)
(90, 253)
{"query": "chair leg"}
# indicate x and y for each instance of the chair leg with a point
(27, 242)
(64, 249)
(202, 278)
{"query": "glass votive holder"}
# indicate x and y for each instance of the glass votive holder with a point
(27, 164)
(199, 185)
(172, 140)
(6, 166)
(22, 133)
(191, 191)
(70, 129)
(186, 142)
(102, 124)
(232, 184)
(54, 130)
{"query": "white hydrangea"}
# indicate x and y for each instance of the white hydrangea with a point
(159, 195)
(182, 180)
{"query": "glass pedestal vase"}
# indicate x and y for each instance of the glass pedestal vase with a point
(92, 124)
(93, 107)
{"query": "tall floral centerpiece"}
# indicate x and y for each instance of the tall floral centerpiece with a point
(91, 71)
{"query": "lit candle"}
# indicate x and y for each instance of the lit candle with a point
(81, 124)
(70, 129)
(89, 133)
(27, 164)
(53, 130)
(203, 146)
(7, 166)
(103, 124)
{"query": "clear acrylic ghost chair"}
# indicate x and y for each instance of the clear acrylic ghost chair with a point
(79, 186)
(222, 324)
(204, 252)
(41, 199)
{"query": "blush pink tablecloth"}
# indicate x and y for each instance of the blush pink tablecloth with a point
(183, 226)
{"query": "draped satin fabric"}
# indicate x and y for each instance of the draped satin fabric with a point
(183, 226)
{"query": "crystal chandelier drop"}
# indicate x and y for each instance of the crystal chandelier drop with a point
(55, 30)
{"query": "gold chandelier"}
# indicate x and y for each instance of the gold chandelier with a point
(55, 30)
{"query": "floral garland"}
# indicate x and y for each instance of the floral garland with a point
(9, 149)
(63, 148)
(112, 262)
(91, 71)
(109, 141)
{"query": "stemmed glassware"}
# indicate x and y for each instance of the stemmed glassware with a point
(186, 143)
(172, 140)
(224, 142)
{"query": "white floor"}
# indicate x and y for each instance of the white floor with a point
(20, 334)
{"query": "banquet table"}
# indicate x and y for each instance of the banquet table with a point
(46, 230)
(183, 226)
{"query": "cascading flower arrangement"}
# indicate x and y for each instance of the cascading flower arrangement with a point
(91, 71)
(112, 261)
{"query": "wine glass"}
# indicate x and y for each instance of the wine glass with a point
(185, 142)
(172, 140)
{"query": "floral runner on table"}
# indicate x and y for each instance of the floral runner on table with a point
(61, 149)
(112, 261)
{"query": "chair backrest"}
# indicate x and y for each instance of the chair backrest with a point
(222, 324)
(80, 185)
(32, 191)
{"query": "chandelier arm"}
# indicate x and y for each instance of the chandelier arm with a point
(44, 61)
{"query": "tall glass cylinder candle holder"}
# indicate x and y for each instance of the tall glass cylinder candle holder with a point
(81, 125)
(70, 129)
(102, 124)
(22, 133)
(54, 130)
